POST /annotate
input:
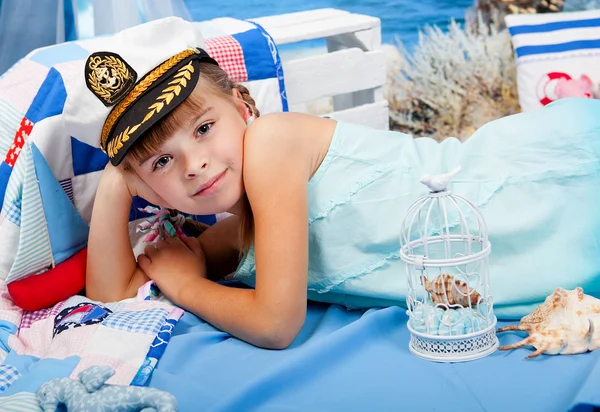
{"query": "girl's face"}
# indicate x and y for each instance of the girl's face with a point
(198, 169)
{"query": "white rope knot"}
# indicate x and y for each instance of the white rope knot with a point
(177, 220)
(164, 223)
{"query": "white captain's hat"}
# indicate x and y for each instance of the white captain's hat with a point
(132, 80)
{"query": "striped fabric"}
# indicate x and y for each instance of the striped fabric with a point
(20, 402)
(67, 186)
(554, 32)
(558, 56)
(12, 196)
(34, 253)
(10, 118)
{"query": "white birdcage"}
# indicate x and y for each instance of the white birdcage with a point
(445, 247)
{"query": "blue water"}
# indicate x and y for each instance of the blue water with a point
(399, 18)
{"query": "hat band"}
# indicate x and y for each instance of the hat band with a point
(137, 91)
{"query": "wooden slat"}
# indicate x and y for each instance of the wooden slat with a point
(301, 17)
(328, 24)
(346, 72)
(335, 73)
(374, 115)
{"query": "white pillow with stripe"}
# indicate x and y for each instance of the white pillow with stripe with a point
(558, 56)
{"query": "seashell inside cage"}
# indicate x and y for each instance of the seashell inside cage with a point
(445, 247)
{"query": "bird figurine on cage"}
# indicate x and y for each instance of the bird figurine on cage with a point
(439, 183)
(445, 248)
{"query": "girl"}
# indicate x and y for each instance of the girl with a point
(317, 204)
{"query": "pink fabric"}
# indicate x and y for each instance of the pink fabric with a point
(31, 317)
(228, 52)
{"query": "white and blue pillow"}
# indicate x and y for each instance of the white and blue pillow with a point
(557, 55)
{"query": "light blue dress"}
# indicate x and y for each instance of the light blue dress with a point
(534, 176)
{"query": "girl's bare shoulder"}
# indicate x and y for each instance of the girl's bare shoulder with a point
(286, 136)
(288, 126)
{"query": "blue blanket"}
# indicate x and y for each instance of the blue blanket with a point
(359, 361)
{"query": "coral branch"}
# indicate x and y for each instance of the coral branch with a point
(453, 82)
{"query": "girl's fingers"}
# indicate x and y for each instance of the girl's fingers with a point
(193, 244)
(137, 187)
(144, 262)
(150, 251)
(161, 243)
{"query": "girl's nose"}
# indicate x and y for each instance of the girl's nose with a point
(195, 167)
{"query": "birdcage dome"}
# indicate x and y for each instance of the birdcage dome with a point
(445, 247)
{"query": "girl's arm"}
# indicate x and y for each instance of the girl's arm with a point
(112, 273)
(276, 173)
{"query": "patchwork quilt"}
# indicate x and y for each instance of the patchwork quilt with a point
(48, 181)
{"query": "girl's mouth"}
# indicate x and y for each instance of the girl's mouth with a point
(211, 185)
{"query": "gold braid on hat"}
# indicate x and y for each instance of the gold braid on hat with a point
(138, 90)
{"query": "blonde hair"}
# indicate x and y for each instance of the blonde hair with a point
(218, 81)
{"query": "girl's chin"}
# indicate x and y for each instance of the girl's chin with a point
(204, 212)
(205, 207)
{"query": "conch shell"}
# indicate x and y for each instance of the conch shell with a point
(564, 324)
(445, 290)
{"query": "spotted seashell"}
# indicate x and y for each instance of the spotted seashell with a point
(445, 290)
(566, 323)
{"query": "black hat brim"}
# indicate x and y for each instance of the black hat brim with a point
(164, 93)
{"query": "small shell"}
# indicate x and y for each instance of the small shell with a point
(566, 323)
(445, 290)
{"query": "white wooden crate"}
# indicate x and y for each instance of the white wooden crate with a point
(349, 76)
(352, 72)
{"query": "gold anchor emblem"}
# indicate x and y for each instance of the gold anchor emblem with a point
(109, 77)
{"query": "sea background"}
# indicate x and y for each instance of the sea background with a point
(400, 19)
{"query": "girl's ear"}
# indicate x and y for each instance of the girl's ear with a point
(236, 93)
(241, 105)
(239, 100)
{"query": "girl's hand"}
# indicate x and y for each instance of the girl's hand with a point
(134, 185)
(174, 264)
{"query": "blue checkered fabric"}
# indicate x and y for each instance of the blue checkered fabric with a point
(8, 374)
(13, 212)
(145, 321)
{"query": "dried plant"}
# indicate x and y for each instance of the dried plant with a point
(453, 82)
(492, 12)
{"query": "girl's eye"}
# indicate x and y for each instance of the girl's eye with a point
(203, 129)
(161, 162)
